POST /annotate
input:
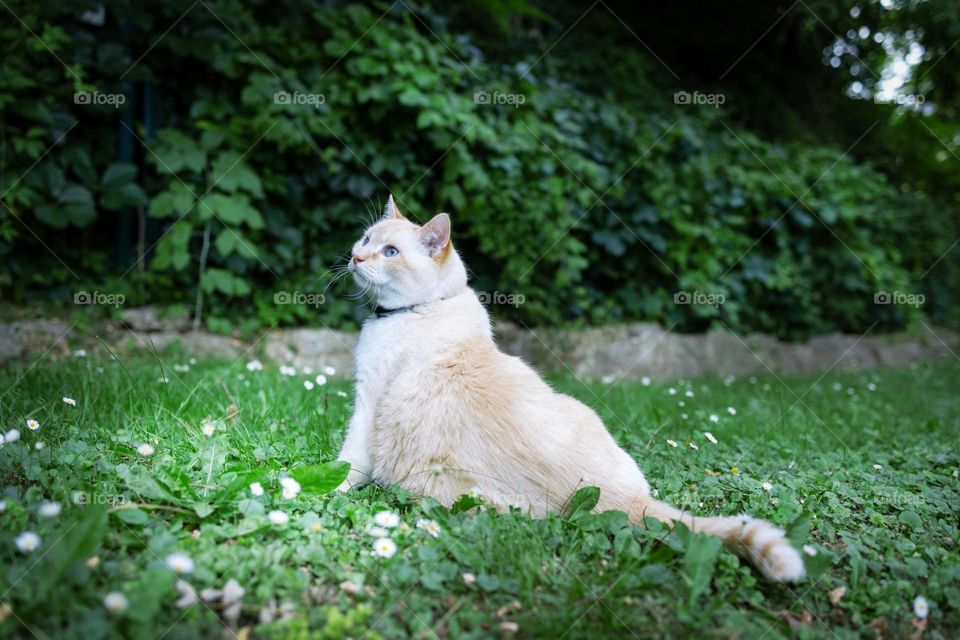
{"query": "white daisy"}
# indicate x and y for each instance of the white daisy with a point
(180, 563)
(388, 519)
(710, 437)
(384, 547)
(115, 602)
(308, 385)
(608, 379)
(12, 436)
(290, 488)
(163, 380)
(330, 371)
(688, 393)
(32, 424)
(752, 380)
(286, 370)
(714, 418)
(681, 404)
(693, 445)
(145, 450)
(767, 486)
(672, 443)
(207, 428)
(809, 550)
(430, 526)
(38, 446)
(377, 532)
(80, 353)
(731, 411)
(342, 394)
(921, 608)
(27, 542)
(672, 391)
(684, 416)
(474, 492)
(321, 379)
(49, 509)
(256, 489)
(254, 365)
(871, 386)
(645, 381)
(278, 517)
(69, 401)
(878, 467)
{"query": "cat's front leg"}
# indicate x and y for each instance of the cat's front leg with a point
(355, 449)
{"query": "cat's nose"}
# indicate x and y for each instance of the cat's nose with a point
(357, 259)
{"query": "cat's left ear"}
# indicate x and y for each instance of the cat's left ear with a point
(435, 235)
(390, 211)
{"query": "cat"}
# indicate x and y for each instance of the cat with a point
(441, 411)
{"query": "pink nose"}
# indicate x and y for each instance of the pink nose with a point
(357, 259)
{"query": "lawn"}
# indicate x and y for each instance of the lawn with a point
(155, 476)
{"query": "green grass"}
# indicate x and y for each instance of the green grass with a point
(872, 474)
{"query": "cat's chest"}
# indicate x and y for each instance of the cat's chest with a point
(385, 345)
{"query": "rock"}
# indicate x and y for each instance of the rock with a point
(10, 344)
(316, 348)
(200, 344)
(154, 319)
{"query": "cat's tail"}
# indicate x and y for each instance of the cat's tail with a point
(758, 541)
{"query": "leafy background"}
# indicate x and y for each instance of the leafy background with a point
(597, 198)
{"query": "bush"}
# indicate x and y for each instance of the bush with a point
(257, 139)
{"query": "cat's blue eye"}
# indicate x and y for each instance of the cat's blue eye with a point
(390, 251)
(365, 241)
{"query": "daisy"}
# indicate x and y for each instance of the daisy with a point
(27, 542)
(145, 450)
(387, 519)
(767, 486)
(69, 401)
(684, 416)
(714, 418)
(254, 365)
(256, 489)
(286, 370)
(38, 446)
(278, 517)
(430, 526)
(378, 532)
(810, 551)
(921, 608)
(871, 386)
(207, 428)
(80, 353)
(672, 443)
(290, 488)
(330, 371)
(115, 602)
(731, 411)
(342, 394)
(645, 381)
(693, 445)
(474, 492)
(710, 437)
(688, 393)
(403, 528)
(321, 379)
(384, 547)
(672, 391)
(49, 509)
(308, 385)
(180, 563)
(878, 467)
(468, 578)
(681, 404)
(32, 424)
(608, 379)
(12, 436)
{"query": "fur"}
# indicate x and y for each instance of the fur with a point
(440, 410)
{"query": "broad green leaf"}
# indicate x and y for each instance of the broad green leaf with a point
(321, 478)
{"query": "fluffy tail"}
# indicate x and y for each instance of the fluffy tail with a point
(756, 540)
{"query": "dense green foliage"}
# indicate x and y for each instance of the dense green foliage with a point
(256, 138)
(863, 471)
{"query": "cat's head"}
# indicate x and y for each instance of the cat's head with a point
(403, 264)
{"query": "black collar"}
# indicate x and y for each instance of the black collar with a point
(383, 312)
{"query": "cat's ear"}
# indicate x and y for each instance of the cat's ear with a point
(390, 211)
(435, 235)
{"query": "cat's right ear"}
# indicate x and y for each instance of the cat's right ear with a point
(390, 211)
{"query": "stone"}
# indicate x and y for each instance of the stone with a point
(154, 319)
(315, 348)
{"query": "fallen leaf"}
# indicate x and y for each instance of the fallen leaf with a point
(836, 594)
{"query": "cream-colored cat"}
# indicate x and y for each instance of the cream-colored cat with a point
(440, 410)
